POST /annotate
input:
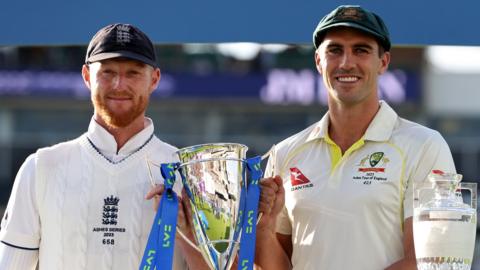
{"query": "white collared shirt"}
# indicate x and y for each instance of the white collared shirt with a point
(347, 211)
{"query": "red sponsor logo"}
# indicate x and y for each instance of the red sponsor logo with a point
(371, 169)
(297, 177)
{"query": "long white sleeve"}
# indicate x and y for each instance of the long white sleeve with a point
(12, 258)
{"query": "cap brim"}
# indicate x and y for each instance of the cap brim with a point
(124, 54)
(345, 24)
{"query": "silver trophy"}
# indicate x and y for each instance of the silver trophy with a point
(214, 177)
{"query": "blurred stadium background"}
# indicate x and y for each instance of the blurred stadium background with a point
(246, 93)
(233, 92)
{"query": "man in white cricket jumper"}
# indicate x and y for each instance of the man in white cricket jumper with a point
(342, 197)
(81, 204)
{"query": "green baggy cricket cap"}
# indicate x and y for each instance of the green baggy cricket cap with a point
(354, 17)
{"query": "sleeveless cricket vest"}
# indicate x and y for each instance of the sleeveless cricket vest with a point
(93, 212)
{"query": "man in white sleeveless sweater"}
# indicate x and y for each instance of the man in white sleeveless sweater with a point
(81, 204)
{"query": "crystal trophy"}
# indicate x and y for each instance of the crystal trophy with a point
(444, 227)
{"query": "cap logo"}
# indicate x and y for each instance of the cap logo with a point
(350, 14)
(123, 34)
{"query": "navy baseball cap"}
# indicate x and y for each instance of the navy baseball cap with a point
(355, 17)
(121, 40)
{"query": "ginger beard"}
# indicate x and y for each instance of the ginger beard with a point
(115, 117)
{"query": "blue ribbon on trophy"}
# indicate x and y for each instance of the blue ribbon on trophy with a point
(249, 228)
(224, 216)
(161, 241)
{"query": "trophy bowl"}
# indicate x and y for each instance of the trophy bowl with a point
(213, 176)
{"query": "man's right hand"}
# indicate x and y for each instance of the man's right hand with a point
(272, 200)
(271, 252)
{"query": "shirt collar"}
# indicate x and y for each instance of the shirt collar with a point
(380, 129)
(105, 142)
(320, 130)
(382, 125)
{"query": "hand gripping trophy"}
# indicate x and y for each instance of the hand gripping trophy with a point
(222, 191)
